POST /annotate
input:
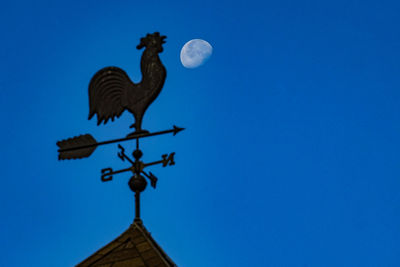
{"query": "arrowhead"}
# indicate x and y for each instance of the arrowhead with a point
(177, 129)
(153, 180)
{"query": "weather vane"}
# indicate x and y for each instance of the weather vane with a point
(111, 92)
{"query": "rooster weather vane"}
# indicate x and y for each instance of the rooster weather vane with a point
(111, 92)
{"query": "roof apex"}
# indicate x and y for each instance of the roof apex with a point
(133, 248)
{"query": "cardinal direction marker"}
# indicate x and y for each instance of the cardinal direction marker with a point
(138, 166)
(165, 160)
(169, 159)
(122, 155)
(84, 145)
(107, 173)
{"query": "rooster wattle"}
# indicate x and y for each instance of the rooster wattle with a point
(111, 91)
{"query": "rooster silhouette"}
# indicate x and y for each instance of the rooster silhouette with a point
(111, 91)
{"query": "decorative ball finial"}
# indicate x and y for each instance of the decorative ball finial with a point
(137, 154)
(137, 183)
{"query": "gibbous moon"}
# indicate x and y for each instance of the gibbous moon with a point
(195, 53)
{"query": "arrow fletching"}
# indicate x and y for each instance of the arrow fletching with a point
(76, 147)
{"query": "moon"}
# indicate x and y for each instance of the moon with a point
(195, 53)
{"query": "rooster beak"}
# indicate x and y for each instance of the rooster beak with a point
(163, 39)
(141, 45)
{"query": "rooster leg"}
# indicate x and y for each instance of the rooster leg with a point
(138, 126)
(133, 125)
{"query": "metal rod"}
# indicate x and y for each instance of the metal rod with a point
(137, 206)
(137, 136)
(153, 163)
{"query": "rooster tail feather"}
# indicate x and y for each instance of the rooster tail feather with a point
(107, 89)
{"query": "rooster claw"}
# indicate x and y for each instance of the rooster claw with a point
(138, 128)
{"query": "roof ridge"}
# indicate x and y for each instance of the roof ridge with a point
(167, 260)
(144, 250)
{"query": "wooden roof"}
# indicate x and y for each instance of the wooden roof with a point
(134, 248)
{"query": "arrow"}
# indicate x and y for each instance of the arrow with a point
(84, 145)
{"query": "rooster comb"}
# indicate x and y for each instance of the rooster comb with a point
(152, 40)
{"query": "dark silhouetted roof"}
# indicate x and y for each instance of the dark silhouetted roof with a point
(134, 248)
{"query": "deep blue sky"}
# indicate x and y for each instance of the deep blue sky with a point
(291, 153)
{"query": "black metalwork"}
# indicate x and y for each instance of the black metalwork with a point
(110, 93)
(138, 166)
(137, 183)
(83, 146)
